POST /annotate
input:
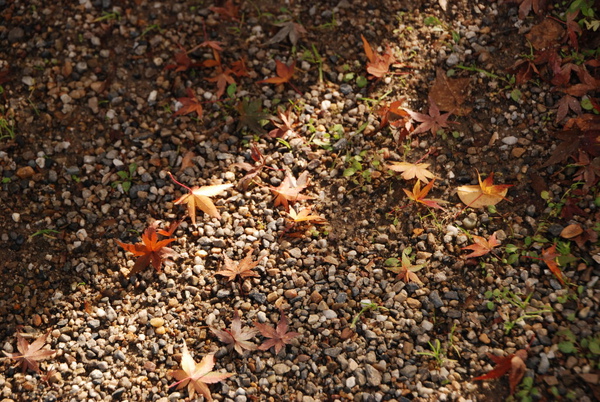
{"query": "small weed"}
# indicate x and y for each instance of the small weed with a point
(588, 347)
(114, 16)
(312, 56)
(368, 305)
(6, 129)
(126, 177)
(504, 297)
(526, 391)
(44, 232)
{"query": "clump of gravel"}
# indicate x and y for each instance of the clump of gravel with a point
(89, 96)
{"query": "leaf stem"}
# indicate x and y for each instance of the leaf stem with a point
(181, 184)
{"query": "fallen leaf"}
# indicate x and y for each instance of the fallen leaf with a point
(546, 34)
(237, 337)
(190, 104)
(278, 337)
(549, 257)
(151, 250)
(513, 364)
(243, 269)
(251, 115)
(305, 215)
(481, 246)
(289, 190)
(379, 64)
(198, 197)
(29, 354)
(197, 376)
(407, 271)
(483, 194)
(449, 94)
(284, 73)
(434, 121)
(285, 128)
(411, 170)
(187, 160)
(571, 231)
(229, 11)
(289, 29)
(418, 195)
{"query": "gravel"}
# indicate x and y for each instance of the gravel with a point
(87, 111)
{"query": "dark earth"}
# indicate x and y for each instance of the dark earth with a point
(89, 129)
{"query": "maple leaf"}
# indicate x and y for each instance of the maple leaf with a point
(573, 29)
(182, 61)
(418, 195)
(514, 364)
(285, 128)
(481, 246)
(434, 121)
(229, 11)
(407, 271)
(197, 376)
(151, 250)
(251, 115)
(305, 215)
(190, 104)
(289, 190)
(449, 94)
(252, 170)
(29, 354)
(243, 269)
(589, 171)
(379, 64)
(289, 29)
(278, 337)
(284, 73)
(549, 257)
(411, 170)
(483, 194)
(198, 197)
(393, 114)
(237, 338)
(564, 104)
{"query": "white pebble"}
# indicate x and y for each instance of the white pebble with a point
(511, 140)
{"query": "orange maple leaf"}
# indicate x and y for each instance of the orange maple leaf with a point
(190, 105)
(481, 246)
(379, 64)
(407, 271)
(151, 250)
(198, 197)
(514, 364)
(278, 337)
(243, 269)
(483, 194)
(289, 190)
(284, 73)
(418, 195)
(549, 257)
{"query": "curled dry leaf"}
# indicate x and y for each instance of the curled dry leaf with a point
(284, 73)
(483, 194)
(305, 215)
(288, 192)
(571, 231)
(379, 64)
(197, 376)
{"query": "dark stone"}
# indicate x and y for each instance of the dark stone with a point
(16, 34)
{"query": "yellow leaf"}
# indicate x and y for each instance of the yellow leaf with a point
(483, 194)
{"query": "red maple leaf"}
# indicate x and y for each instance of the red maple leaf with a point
(433, 121)
(190, 105)
(151, 250)
(278, 337)
(285, 128)
(229, 11)
(513, 364)
(182, 61)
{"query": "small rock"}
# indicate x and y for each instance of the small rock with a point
(452, 60)
(409, 371)
(281, 368)
(484, 338)
(510, 140)
(25, 172)
(373, 376)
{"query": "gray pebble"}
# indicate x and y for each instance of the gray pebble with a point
(409, 371)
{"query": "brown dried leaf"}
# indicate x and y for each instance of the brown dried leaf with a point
(450, 93)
